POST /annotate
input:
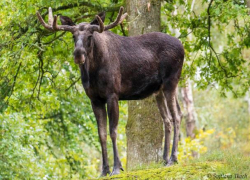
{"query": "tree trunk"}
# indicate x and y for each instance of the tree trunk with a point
(248, 5)
(248, 93)
(248, 102)
(188, 102)
(190, 114)
(247, 98)
(144, 128)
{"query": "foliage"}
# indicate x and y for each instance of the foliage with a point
(214, 39)
(47, 127)
(187, 147)
(228, 116)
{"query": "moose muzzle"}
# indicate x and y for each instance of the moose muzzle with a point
(79, 56)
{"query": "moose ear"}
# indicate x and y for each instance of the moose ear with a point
(66, 21)
(95, 21)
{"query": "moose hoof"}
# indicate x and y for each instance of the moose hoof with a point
(172, 162)
(116, 171)
(105, 172)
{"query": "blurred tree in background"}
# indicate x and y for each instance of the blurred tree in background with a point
(47, 127)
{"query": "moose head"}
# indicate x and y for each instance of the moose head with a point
(82, 33)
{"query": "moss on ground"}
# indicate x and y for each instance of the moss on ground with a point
(200, 170)
(218, 164)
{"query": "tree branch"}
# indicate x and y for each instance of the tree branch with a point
(14, 83)
(74, 82)
(88, 4)
(212, 50)
(64, 7)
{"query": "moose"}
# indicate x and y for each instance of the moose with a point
(117, 68)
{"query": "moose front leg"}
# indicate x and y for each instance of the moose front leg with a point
(101, 117)
(113, 114)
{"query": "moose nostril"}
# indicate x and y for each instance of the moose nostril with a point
(79, 55)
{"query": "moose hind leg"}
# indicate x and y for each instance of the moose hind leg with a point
(179, 109)
(169, 89)
(162, 106)
(113, 114)
(101, 117)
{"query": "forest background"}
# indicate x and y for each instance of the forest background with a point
(47, 127)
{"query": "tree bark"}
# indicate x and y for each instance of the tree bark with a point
(248, 5)
(144, 128)
(247, 98)
(190, 114)
(248, 102)
(248, 93)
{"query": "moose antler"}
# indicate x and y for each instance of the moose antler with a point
(52, 26)
(119, 19)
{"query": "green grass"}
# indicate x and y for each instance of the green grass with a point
(236, 160)
(216, 164)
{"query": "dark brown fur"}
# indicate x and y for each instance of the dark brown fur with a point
(132, 68)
